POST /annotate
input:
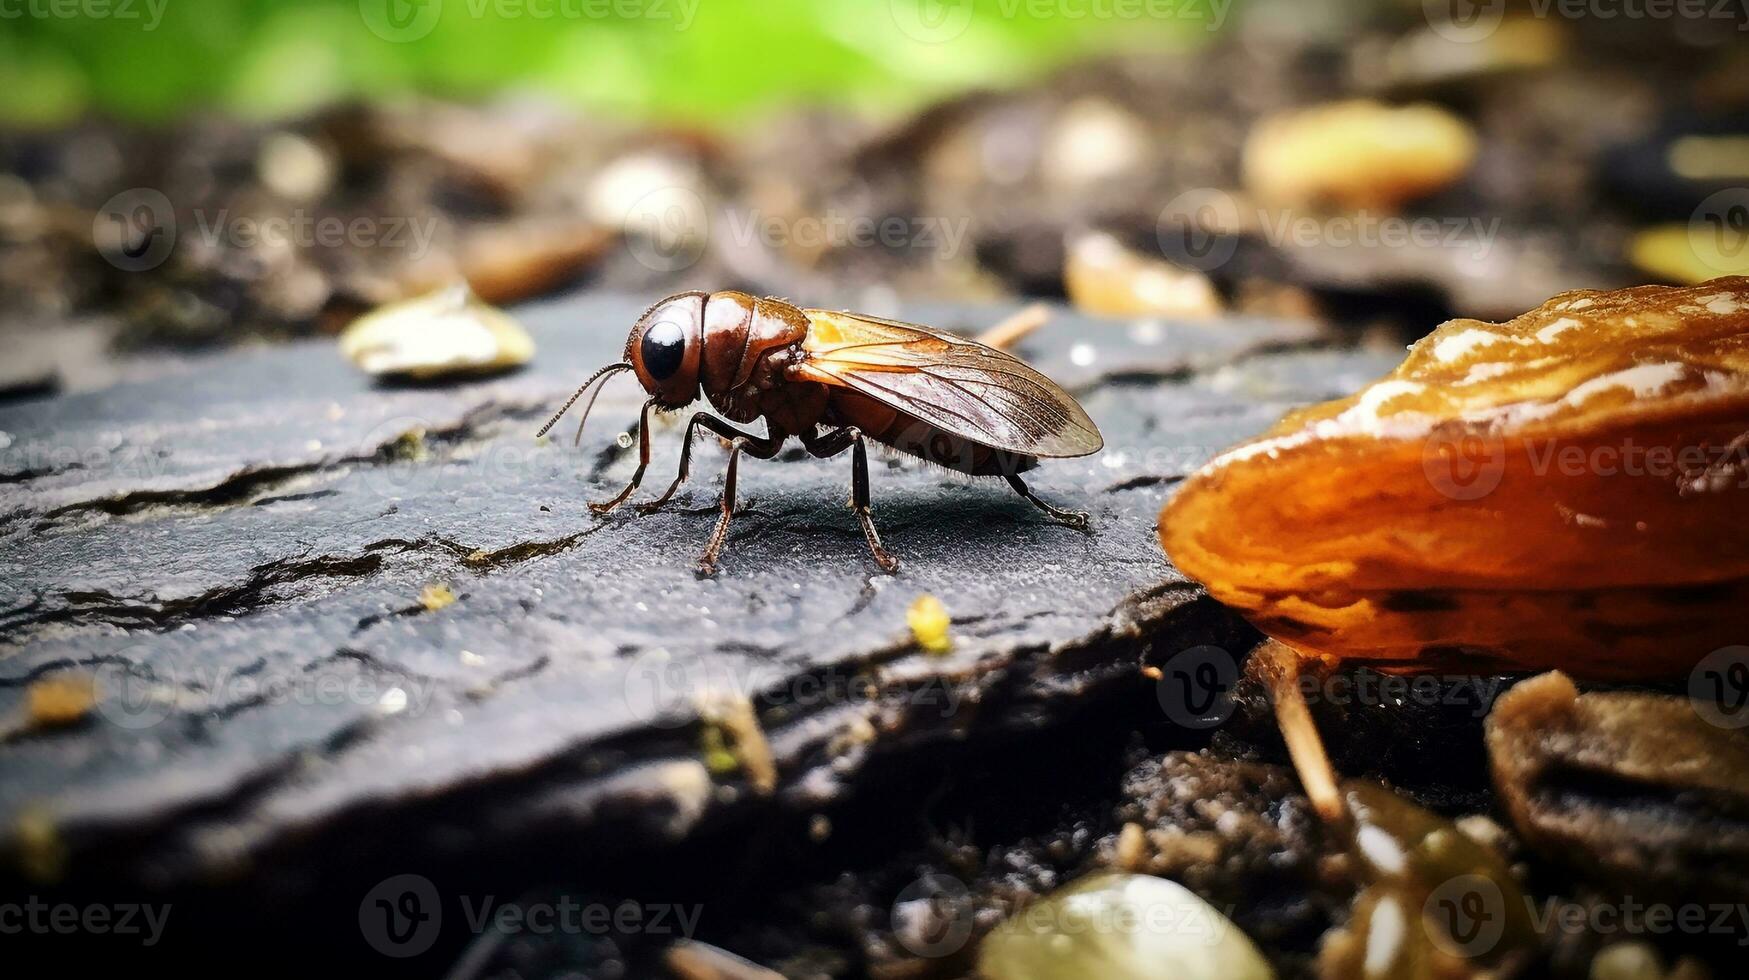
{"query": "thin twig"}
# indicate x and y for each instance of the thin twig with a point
(1280, 665)
(1016, 326)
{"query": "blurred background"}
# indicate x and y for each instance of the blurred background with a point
(182, 174)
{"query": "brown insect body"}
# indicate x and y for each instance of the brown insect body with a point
(935, 396)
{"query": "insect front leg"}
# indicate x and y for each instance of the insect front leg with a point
(833, 443)
(711, 422)
(1074, 518)
(643, 462)
(759, 447)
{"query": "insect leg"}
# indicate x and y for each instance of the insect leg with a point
(833, 443)
(711, 422)
(1073, 518)
(643, 461)
(759, 447)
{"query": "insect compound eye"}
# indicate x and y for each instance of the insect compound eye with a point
(663, 348)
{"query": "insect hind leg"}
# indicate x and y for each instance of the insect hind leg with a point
(833, 443)
(1074, 518)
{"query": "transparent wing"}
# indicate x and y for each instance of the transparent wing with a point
(964, 387)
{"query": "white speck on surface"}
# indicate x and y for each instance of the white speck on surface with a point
(1385, 939)
(1459, 345)
(472, 659)
(393, 701)
(1644, 380)
(1367, 409)
(1385, 853)
(1082, 355)
(1553, 330)
(1724, 304)
(1485, 371)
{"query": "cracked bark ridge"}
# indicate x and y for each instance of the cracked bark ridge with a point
(236, 551)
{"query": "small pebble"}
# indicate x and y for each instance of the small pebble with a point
(446, 333)
(929, 624)
(1120, 927)
(436, 596)
(1356, 155)
(61, 700)
(1105, 278)
(1627, 961)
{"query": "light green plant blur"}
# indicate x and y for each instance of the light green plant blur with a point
(687, 59)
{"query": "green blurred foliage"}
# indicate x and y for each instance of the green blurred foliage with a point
(687, 59)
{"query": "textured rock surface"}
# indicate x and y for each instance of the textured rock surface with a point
(236, 550)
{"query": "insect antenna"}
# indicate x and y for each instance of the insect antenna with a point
(597, 376)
